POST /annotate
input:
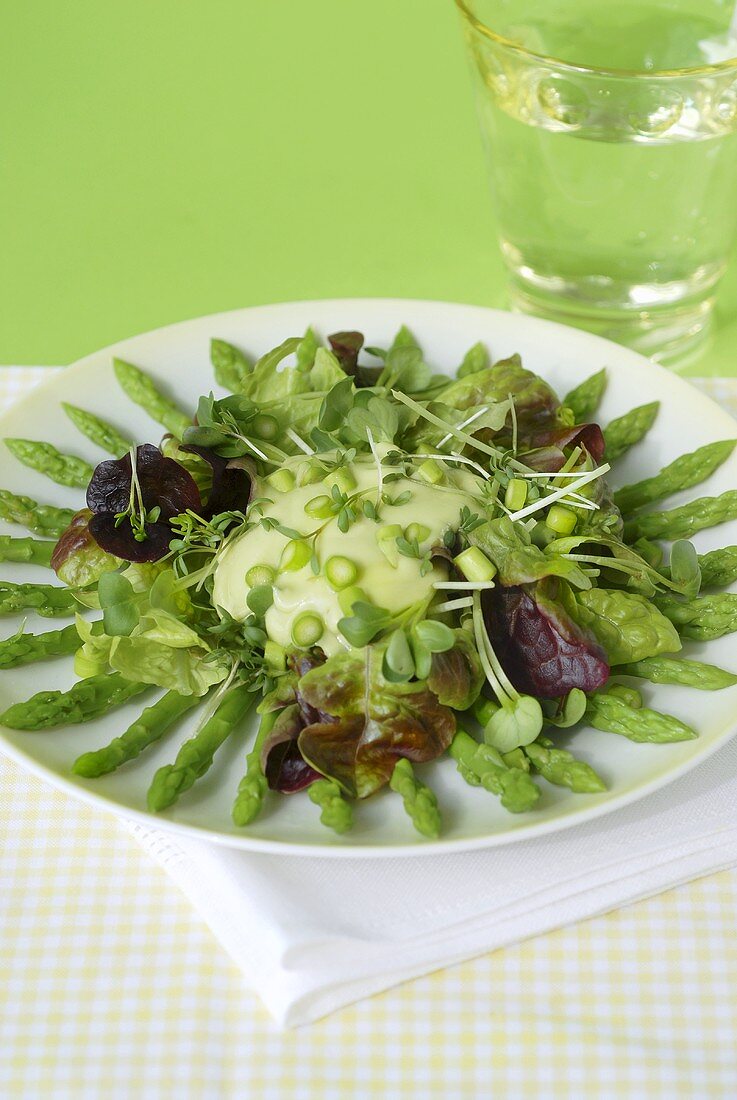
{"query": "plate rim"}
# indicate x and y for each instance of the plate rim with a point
(344, 849)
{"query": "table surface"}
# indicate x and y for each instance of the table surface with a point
(163, 161)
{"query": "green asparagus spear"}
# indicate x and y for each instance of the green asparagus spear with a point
(562, 768)
(139, 387)
(612, 715)
(679, 670)
(33, 551)
(683, 473)
(337, 812)
(86, 700)
(100, 431)
(62, 468)
(419, 801)
(253, 786)
(150, 727)
(622, 433)
(718, 567)
(45, 599)
(629, 695)
(683, 522)
(23, 649)
(585, 398)
(702, 618)
(516, 758)
(196, 755)
(230, 365)
(482, 766)
(44, 519)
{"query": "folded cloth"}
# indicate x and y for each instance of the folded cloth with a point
(311, 935)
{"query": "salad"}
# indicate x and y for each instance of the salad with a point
(387, 563)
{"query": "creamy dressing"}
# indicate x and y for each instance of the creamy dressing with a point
(393, 586)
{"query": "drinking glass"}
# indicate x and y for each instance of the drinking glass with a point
(611, 133)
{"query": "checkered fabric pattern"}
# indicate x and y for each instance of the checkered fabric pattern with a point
(111, 988)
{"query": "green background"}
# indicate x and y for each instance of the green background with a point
(163, 159)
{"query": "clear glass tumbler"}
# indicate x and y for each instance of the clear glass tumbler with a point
(611, 132)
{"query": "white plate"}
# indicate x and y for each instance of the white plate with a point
(178, 356)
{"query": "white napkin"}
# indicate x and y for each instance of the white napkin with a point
(312, 935)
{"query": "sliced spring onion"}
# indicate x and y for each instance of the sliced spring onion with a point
(320, 507)
(543, 502)
(309, 472)
(431, 471)
(343, 478)
(260, 574)
(281, 480)
(340, 572)
(475, 565)
(453, 456)
(295, 555)
(516, 494)
(307, 629)
(561, 520)
(386, 540)
(417, 531)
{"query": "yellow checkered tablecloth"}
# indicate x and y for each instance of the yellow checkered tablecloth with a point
(111, 988)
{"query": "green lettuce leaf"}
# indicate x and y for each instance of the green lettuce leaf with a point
(628, 626)
(534, 400)
(518, 561)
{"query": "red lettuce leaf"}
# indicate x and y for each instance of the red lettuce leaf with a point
(163, 483)
(119, 540)
(346, 346)
(231, 485)
(541, 649)
(368, 723)
(282, 762)
(547, 445)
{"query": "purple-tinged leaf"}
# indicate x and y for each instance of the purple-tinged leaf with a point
(542, 650)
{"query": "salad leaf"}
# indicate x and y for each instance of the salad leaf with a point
(534, 400)
(119, 605)
(517, 722)
(517, 560)
(281, 761)
(131, 514)
(77, 559)
(627, 625)
(369, 723)
(346, 346)
(553, 440)
(168, 664)
(475, 359)
(379, 416)
(230, 484)
(456, 675)
(543, 651)
(265, 383)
